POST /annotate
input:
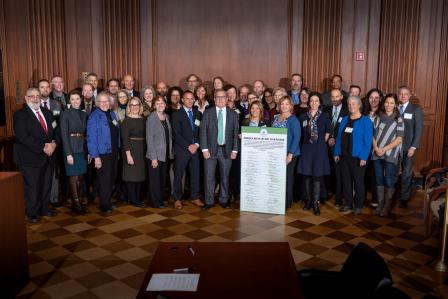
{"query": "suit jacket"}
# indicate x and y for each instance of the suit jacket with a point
(55, 107)
(413, 126)
(183, 135)
(73, 121)
(343, 112)
(208, 133)
(30, 137)
(244, 111)
(63, 101)
(156, 139)
(326, 98)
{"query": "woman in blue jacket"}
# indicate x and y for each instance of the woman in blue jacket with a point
(288, 120)
(352, 149)
(103, 143)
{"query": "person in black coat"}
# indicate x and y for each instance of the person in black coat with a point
(185, 123)
(34, 146)
(73, 131)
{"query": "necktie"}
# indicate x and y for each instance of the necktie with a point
(220, 128)
(45, 104)
(190, 117)
(88, 108)
(42, 122)
(335, 117)
(401, 110)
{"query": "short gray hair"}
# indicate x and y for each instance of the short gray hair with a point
(357, 99)
(100, 95)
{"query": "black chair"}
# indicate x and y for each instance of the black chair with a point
(363, 275)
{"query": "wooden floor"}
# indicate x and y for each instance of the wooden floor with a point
(97, 256)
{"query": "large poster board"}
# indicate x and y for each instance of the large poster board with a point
(263, 169)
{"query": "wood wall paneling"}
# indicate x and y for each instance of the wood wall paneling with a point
(321, 42)
(239, 40)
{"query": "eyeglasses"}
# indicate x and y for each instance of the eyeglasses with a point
(123, 97)
(34, 96)
(134, 105)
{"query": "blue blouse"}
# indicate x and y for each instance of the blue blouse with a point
(293, 126)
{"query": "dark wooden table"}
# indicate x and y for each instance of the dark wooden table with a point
(229, 270)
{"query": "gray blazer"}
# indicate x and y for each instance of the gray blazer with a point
(208, 132)
(156, 139)
(73, 121)
(413, 126)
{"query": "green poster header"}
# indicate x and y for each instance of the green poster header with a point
(279, 131)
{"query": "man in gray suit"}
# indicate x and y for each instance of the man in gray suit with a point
(413, 126)
(218, 138)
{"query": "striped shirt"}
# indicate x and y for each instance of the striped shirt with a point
(386, 129)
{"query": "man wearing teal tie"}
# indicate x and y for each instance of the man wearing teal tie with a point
(219, 144)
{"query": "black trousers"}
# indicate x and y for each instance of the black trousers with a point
(157, 178)
(133, 191)
(106, 178)
(290, 177)
(37, 187)
(181, 163)
(352, 174)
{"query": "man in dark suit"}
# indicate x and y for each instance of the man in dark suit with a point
(219, 143)
(128, 84)
(57, 91)
(336, 83)
(55, 107)
(243, 103)
(88, 102)
(413, 126)
(336, 112)
(33, 152)
(185, 123)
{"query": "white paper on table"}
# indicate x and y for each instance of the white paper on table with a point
(173, 282)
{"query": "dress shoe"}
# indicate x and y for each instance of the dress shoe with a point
(225, 205)
(113, 206)
(33, 219)
(345, 210)
(197, 202)
(338, 204)
(138, 204)
(107, 211)
(178, 205)
(357, 211)
(403, 204)
(50, 213)
(207, 207)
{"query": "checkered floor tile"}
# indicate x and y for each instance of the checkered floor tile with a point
(97, 256)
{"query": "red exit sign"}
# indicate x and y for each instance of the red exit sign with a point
(360, 56)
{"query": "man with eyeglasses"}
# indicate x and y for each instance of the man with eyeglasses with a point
(219, 143)
(34, 146)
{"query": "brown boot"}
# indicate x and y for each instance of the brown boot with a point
(389, 194)
(380, 197)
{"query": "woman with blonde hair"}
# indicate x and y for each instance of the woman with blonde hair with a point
(133, 151)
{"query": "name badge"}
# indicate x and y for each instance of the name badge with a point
(115, 123)
(68, 106)
(56, 112)
(348, 130)
(305, 123)
(54, 124)
(237, 111)
(197, 122)
(407, 116)
(382, 125)
(340, 119)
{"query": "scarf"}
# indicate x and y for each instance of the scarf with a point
(314, 134)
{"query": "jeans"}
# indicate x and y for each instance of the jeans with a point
(385, 173)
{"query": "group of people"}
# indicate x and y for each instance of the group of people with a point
(93, 143)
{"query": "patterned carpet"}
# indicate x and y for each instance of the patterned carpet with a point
(97, 256)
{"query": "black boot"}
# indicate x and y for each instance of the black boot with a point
(308, 201)
(316, 197)
(77, 207)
